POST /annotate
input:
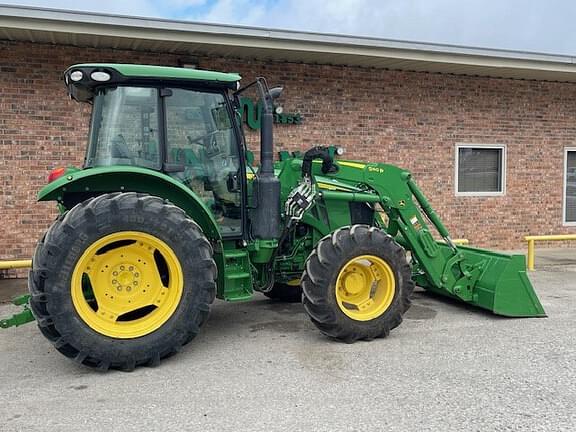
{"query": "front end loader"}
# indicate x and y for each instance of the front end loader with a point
(168, 213)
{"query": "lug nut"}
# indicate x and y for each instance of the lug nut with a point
(121, 267)
(136, 274)
(131, 268)
(128, 289)
(135, 283)
(119, 288)
(114, 281)
(115, 273)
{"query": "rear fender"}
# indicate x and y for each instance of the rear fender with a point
(76, 186)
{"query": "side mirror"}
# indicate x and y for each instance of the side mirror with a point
(276, 92)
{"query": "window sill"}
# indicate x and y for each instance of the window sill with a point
(480, 194)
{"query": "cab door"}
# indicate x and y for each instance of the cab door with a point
(202, 143)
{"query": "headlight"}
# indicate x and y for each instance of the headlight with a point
(76, 75)
(100, 76)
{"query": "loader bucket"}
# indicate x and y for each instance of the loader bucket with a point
(503, 286)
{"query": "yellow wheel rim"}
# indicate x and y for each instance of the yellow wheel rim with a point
(365, 287)
(127, 284)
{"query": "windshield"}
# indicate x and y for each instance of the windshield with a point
(124, 128)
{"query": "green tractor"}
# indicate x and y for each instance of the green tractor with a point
(169, 213)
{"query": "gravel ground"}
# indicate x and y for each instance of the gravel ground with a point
(262, 366)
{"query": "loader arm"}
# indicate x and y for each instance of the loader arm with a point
(493, 281)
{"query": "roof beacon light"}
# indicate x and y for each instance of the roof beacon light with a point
(100, 76)
(76, 75)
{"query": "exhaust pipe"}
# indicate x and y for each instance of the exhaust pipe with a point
(266, 215)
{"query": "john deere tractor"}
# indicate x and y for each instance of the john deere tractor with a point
(169, 213)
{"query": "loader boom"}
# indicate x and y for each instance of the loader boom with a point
(487, 279)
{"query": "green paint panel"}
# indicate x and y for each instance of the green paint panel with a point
(496, 282)
(234, 275)
(20, 318)
(252, 114)
(118, 178)
(503, 286)
(493, 281)
(161, 72)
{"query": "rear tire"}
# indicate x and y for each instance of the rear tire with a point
(363, 247)
(187, 277)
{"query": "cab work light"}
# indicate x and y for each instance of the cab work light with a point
(100, 76)
(76, 75)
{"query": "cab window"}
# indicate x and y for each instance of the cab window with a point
(201, 139)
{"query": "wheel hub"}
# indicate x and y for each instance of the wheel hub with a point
(365, 287)
(354, 282)
(125, 278)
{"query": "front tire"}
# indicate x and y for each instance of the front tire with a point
(122, 280)
(357, 284)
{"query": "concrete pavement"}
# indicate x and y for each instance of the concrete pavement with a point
(262, 366)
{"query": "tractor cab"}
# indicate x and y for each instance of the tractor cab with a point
(180, 123)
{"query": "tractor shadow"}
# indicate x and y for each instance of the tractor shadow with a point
(261, 314)
(429, 300)
(266, 323)
(257, 315)
(265, 318)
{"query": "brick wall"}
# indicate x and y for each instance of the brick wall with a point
(406, 118)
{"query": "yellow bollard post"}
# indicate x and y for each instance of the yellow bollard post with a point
(531, 255)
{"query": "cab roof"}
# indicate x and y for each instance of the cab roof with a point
(161, 72)
(118, 74)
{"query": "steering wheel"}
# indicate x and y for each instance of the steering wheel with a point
(180, 156)
(120, 148)
(201, 138)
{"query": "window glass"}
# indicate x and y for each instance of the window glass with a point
(200, 137)
(125, 128)
(570, 206)
(480, 170)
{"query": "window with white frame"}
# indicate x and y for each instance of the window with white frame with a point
(480, 169)
(570, 186)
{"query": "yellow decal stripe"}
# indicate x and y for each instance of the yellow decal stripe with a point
(331, 187)
(344, 163)
(353, 164)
